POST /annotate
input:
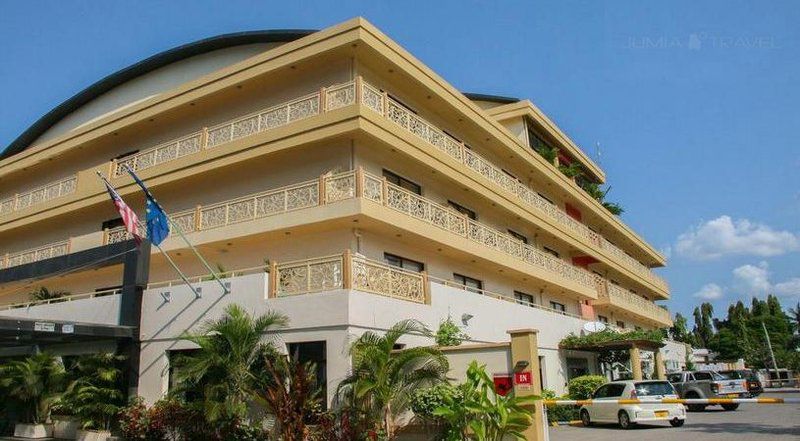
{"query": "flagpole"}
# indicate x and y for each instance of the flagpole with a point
(177, 228)
(169, 259)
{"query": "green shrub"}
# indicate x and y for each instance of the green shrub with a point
(425, 401)
(581, 388)
(559, 413)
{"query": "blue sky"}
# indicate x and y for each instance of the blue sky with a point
(694, 104)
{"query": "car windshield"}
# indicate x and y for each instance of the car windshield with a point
(736, 375)
(718, 376)
(651, 388)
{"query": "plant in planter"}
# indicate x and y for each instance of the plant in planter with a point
(34, 384)
(65, 422)
(43, 294)
(96, 394)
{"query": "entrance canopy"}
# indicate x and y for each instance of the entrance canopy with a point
(19, 333)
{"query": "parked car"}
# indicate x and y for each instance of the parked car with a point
(753, 383)
(708, 384)
(628, 415)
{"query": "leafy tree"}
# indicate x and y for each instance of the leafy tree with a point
(478, 412)
(679, 331)
(703, 327)
(97, 393)
(794, 316)
(225, 367)
(383, 379)
(449, 334)
(35, 384)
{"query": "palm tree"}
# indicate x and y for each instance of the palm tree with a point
(42, 293)
(97, 395)
(36, 383)
(224, 368)
(291, 395)
(383, 378)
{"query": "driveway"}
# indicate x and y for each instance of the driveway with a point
(773, 422)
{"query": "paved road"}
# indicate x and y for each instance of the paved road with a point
(773, 422)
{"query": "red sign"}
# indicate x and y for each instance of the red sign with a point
(502, 384)
(523, 379)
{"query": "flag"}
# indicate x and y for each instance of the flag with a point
(157, 220)
(129, 218)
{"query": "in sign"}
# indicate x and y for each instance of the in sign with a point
(523, 378)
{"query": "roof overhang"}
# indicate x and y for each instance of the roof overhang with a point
(25, 332)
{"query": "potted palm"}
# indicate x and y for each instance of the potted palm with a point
(35, 384)
(96, 395)
(65, 422)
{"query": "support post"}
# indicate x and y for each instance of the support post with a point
(661, 369)
(323, 100)
(322, 190)
(636, 363)
(525, 359)
(347, 269)
(426, 287)
(359, 89)
(272, 291)
(359, 182)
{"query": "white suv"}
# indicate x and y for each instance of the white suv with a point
(628, 415)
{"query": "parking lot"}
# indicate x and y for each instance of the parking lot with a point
(775, 422)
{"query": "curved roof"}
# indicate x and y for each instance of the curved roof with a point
(147, 65)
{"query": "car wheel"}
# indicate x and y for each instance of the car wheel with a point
(585, 418)
(730, 407)
(625, 420)
(676, 422)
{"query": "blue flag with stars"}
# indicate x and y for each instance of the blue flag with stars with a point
(157, 221)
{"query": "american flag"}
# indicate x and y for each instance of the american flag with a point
(129, 218)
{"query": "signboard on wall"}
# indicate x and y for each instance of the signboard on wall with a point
(523, 379)
(503, 384)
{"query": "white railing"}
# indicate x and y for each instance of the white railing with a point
(333, 97)
(34, 254)
(373, 98)
(620, 297)
(66, 298)
(39, 195)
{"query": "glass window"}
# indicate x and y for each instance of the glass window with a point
(620, 324)
(615, 390)
(313, 352)
(518, 236)
(702, 376)
(402, 182)
(674, 378)
(463, 210)
(650, 388)
(402, 262)
(601, 392)
(558, 306)
(524, 299)
(602, 319)
(468, 283)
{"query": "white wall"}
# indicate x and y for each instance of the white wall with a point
(99, 310)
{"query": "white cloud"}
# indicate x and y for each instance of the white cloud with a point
(710, 291)
(724, 236)
(755, 280)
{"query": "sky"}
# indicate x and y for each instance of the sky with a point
(692, 103)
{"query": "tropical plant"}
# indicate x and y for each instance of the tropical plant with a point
(547, 152)
(382, 378)
(572, 170)
(96, 395)
(292, 396)
(43, 294)
(35, 384)
(223, 369)
(449, 334)
(480, 413)
(581, 388)
(613, 208)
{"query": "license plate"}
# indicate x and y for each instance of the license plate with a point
(661, 414)
(733, 395)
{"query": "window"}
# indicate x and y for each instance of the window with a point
(602, 319)
(615, 390)
(524, 299)
(551, 251)
(702, 376)
(577, 367)
(620, 324)
(601, 392)
(312, 352)
(518, 236)
(558, 306)
(653, 388)
(402, 262)
(402, 182)
(112, 223)
(674, 378)
(463, 210)
(468, 283)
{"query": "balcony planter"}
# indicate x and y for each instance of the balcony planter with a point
(33, 431)
(65, 426)
(93, 435)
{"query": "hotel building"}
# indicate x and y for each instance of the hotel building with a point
(329, 175)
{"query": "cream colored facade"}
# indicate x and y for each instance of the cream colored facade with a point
(286, 157)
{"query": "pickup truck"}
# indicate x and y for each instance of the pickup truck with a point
(708, 384)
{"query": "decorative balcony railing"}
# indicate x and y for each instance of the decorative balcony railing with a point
(34, 254)
(39, 195)
(347, 271)
(620, 297)
(327, 99)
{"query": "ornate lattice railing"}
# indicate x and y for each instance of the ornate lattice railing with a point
(326, 99)
(346, 271)
(380, 102)
(39, 195)
(34, 254)
(622, 298)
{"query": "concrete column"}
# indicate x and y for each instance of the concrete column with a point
(525, 352)
(636, 363)
(661, 369)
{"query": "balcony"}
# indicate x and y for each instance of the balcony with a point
(48, 251)
(39, 195)
(332, 98)
(618, 297)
